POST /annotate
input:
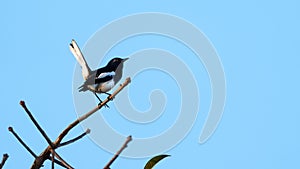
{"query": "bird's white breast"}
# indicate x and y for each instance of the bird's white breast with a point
(106, 86)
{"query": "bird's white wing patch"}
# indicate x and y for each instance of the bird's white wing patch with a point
(102, 75)
(85, 70)
(107, 82)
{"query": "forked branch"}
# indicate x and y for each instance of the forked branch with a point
(46, 154)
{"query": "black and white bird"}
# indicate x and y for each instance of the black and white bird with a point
(101, 80)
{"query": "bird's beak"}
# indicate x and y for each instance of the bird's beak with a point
(125, 59)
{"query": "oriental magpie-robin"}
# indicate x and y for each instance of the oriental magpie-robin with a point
(101, 80)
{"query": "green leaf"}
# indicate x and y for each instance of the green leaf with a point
(153, 161)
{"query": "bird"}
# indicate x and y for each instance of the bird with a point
(100, 80)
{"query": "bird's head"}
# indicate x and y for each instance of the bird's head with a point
(114, 63)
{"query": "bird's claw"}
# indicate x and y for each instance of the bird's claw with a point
(99, 104)
(110, 98)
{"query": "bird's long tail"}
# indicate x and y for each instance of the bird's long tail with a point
(86, 71)
(83, 88)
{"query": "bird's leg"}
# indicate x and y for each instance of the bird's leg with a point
(100, 100)
(97, 97)
(108, 95)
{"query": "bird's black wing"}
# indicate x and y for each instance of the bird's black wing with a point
(101, 70)
(103, 79)
(103, 75)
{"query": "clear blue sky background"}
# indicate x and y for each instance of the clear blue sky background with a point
(257, 41)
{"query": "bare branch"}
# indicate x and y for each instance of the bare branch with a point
(75, 139)
(4, 158)
(46, 153)
(28, 148)
(22, 103)
(109, 98)
(129, 138)
(57, 162)
(85, 116)
(53, 154)
(62, 160)
(39, 160)
(22, 142)
(52, 159)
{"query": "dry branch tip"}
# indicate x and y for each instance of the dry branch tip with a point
(22, 103)
(10, 129)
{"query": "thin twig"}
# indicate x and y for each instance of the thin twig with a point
(62, 160)
(57, 162)
(28, 148)
(109, 98)
(85, 116)
(51, 145)
(22, 103)
(45, 155)
(4, 158)
(75, 139)
(129, 138)
(22, 142)
(52, 159)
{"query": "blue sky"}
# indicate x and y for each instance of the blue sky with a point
(257, 42)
